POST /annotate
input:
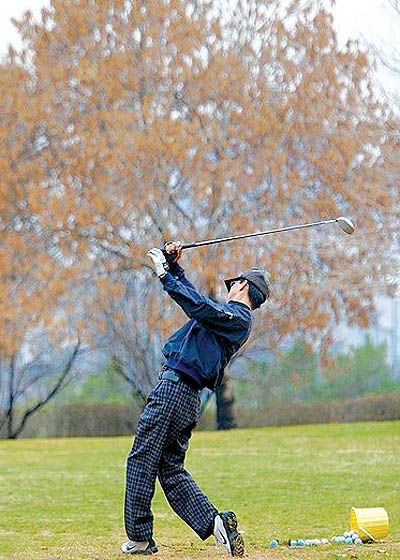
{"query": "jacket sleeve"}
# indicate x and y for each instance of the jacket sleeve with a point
(178, 272)
(211, 315)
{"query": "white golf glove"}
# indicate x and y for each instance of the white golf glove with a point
(160, 264)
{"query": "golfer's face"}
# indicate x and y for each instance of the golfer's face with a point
(235, 289)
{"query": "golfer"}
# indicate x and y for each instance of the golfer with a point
(196, 356)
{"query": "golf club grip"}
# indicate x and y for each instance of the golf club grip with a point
(189, 245)
(207, 242)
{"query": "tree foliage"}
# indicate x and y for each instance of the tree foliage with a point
(300, 375)
(126, 123)
(99, 387)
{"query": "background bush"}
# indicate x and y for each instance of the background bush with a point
(295, 388)
(109, 419)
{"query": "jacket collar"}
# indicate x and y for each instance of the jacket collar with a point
(240, 303)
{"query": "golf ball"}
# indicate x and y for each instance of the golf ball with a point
(300, 542)
(346, 534)
(355, 536)
(357, 542)
(324, 541)
(293, 542)
(340, 539)
(273, 543)
(348, 540)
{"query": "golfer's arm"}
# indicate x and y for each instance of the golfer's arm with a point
(178, 272)
(196, 306)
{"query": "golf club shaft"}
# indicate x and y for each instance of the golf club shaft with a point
(233, 237)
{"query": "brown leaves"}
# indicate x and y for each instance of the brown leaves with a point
(150, 123)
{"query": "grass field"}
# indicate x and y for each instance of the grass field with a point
(62, 498)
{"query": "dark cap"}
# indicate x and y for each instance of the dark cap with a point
(256, 278)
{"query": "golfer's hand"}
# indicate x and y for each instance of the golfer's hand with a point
(173, 251)
(159, 261)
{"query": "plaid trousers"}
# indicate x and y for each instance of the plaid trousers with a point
(159, 448)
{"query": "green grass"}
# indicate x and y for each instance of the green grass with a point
(62, 498)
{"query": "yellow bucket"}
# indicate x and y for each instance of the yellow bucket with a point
(370, 523)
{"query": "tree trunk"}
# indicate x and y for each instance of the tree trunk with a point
(11, 397)
(226, 409)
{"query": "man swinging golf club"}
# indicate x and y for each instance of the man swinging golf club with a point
(196, 356)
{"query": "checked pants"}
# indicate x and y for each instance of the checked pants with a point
(159, 448)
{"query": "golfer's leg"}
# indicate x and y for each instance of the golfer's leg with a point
(181, 491)
(141, 469)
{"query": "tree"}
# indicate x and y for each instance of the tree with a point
(102, 386)
(29, 380)
(133, 318)
(362, 370)
(156, 120)
(284, 377)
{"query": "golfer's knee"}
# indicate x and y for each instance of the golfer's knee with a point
(168, 476)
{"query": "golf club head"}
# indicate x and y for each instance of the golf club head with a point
(346, 225)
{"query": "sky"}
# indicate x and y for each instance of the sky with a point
(14, 9)
(369, 20)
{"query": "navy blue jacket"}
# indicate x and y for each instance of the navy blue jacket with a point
(204, 345)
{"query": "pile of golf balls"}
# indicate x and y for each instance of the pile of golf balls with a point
(307, 542)
(348, 537)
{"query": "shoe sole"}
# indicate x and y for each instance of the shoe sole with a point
(144, 552)
(235, 539)
(147, 552)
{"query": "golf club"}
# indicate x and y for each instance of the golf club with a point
(345, 224)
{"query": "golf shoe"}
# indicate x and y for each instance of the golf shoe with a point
(226, 533)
